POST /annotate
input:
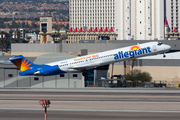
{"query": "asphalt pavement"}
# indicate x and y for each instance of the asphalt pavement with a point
(91, 103)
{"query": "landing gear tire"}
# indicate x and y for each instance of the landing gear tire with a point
(164, 56)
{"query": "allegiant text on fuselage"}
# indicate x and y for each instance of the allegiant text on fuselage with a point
(132, 54)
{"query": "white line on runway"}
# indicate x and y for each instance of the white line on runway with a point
(92, 110)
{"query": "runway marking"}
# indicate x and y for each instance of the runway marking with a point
(92, 110)
(98, 90)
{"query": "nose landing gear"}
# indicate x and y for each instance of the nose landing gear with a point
(164, 55)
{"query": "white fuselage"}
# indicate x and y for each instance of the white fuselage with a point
(111, 56)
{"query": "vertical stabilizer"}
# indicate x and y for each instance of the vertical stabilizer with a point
(22, 63)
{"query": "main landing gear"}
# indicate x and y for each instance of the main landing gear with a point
(84, 72)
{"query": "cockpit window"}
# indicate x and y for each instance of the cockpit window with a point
(159, 43)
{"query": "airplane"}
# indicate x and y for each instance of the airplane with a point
(83, 63)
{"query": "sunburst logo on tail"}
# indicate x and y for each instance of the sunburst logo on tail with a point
(22, 64)
(134, 48)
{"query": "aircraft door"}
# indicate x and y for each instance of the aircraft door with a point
(154, 47)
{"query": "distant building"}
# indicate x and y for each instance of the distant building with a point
(172, 21)
(140, 19)
(161, 69)
(10, 74)
(128, 19)
(22, 33)
(92, 13)
(33, 36)
(91, 19)
(46, 29)
(172, 8)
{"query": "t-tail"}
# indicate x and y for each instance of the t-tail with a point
(22, 63)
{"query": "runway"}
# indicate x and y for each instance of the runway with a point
(75, 115)
(91, 103)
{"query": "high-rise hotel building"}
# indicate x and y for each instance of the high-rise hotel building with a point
(92, 13)
(172, 9)
(140, 19)
(96, 17)
(119, 19)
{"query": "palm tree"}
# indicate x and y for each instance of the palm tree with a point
(58, 35)
(37, 33)
(53, 36)
(26, 31)
(2, 44)
(11, 34)
(57, 29)
(6, 43)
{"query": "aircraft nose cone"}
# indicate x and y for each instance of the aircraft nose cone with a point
(168, 46)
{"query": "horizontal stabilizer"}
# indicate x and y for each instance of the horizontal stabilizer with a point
(15, 57)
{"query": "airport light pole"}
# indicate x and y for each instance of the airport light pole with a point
(45, 104)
